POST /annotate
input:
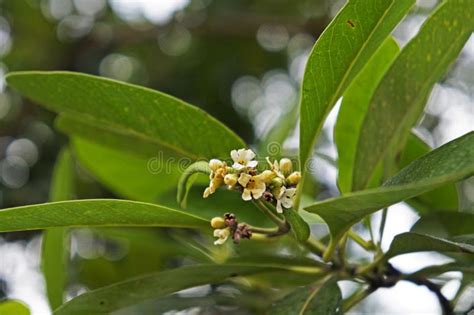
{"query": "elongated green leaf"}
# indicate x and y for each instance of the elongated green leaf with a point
(155, 285)
(413, 242)
(99, 212)
(313, 299)
(449, 163)
(401, 95)
(299, 227)
(55, 243)
(445, 224)
(339, 54)
(127, 175)
(13, 307)
(134, 112)
(440, 199)
(354, 107)
(440, 269)
(186, 180)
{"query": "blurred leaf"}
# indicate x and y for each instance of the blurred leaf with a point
(440, 269)
(299, 227)
(413, 242)
(128, 175)
(55, 242)
(99, 212)
(13, 307)
(445, 224)
(448, 163)
(147, 116)
(313, 299)
(186, 180)
(117, 296)
(354, 106)
(401, 95)
(339, 54)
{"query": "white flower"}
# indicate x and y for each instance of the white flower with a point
(254, 186)
(216, 177)
(222, 234)
(285, 198)
(215, 164)
(243, 159)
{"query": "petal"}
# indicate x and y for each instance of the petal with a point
(278, 207)
(234, 155)
(246, 195)
(217, 232)
(252, 164)
(257, 193)
(220, 241)
(215, 164)
(238, 166)
(206, 193)
(244, 179)
(250, 155)
(291, 192)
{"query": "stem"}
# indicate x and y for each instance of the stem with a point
(315, 246)
(282, 225)
(382, 225)
(354, 299)
(369, 246)
(262, 230)
(443, 301)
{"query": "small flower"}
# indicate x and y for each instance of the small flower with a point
(254, 186)
(286, 166)
(293, 179)
(285, 198)
(231, 180)
(275, 167)
(218, 223)
(243, 159)
(218, 172)
(222, 235)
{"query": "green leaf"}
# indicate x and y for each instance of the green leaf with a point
(186, 180)
(445, 224)
(449, 163)
(299, 227)
(127, 175)
(13, 307)
(323, 299)
(440, 269)
(354, 107)
(339, 54)
(55, 247)
(413, 242)
(117, 296)
(401, 95)
(135, 112)
(99, 212)
(443, 198)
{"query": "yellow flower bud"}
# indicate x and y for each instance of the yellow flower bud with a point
(286, 166)
(230, 180)
(218, 223)
(294, 178)
(266, 176)
(215, 164)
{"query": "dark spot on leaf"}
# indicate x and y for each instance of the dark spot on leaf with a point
(351, 23)
(102, 303)
(234, 274)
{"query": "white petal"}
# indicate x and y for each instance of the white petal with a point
(257, 194)
(215, 164)
(281, 193)
(249, 155)
(206, 193)
(287, 202)
(234, 155)
(246, 195)
(290, 192)
(244, 179)
(278, 207)
(217, 232)
(252, 164)
(220, 241)
(238, 166)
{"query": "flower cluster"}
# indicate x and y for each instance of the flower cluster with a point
(228, 226)
(277, 183)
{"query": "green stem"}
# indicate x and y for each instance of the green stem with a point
(282, 225)
(315, 246)
(354, 299)
(382, 225)
(262, 230)
(369, 246)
